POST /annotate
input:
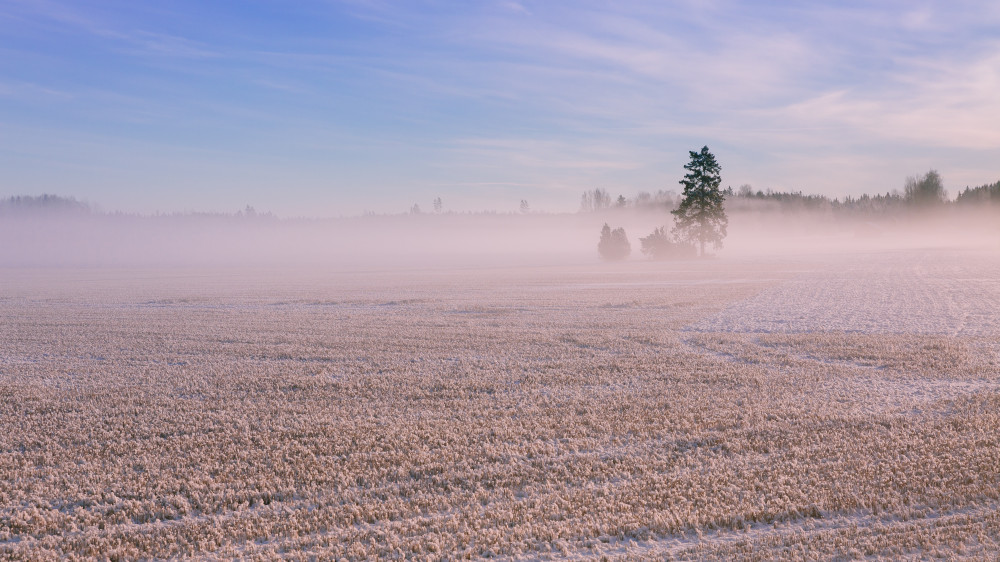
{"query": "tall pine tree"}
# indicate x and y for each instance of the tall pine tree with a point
(701, 219)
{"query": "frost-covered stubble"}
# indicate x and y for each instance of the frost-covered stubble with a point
(515, 413)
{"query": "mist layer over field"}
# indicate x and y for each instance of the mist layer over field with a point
(453, 239)
(444, 386)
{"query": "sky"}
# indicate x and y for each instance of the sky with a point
(336, 108)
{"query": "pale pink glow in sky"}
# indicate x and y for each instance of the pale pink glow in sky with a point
(333, 109)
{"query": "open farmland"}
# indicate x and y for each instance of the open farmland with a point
(772, 408)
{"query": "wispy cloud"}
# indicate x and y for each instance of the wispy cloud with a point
(549, 155)
(131, 35)
(562, 96)
(28, 91)
(936, 102)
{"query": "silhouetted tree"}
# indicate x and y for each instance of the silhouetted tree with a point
(701, 218)
(925, 191)
(777, 200)
(415, 209)
(525, 208)
(984, 194)
(621, 202)
(438, 205)
(36, 204)
(661, 198)
(661, 245)
(595, 200)
(613, 244)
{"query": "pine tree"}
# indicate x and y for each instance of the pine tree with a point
(701, 219)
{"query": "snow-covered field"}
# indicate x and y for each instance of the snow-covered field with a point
(756, 408)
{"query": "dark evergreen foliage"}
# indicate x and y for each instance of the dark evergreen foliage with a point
(701, 218)
(984, 194)
(795, 200)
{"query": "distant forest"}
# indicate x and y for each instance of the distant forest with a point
(978, 195)
(923, 192)
(26, 204)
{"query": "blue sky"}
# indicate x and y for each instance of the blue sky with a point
(336, 107)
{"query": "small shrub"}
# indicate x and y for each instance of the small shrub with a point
(660, 245)
(614, 244)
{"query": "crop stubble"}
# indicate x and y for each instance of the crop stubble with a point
(681, 410)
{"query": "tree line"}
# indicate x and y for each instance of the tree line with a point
(699, 220)
(700, 217)
(28, 204)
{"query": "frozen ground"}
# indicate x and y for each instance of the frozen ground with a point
(931, 292)
(797, 408)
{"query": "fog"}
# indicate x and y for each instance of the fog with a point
(451, 239)
(233, 386)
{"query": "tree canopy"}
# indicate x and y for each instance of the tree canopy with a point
(700, 218)
(661, 245)
(925, 191)
(614, 244)
(984, 194)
